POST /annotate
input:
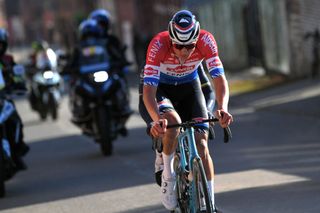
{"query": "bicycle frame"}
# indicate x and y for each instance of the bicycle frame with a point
(188, 165)
(187, 159)
(193, 152)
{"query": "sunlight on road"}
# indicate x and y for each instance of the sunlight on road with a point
(132, 198)
(283, 98)
(253, 179)
(135, 197)
(304, 93)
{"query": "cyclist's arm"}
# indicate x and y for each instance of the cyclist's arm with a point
(149, 99)
(222, 92)
(222, 98)
(216, 71)
(157, 50)
(158, 128)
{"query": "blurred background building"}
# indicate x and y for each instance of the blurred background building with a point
(266, 33)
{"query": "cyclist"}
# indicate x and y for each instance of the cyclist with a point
(209, 96)
(172, 92)
(117, 52)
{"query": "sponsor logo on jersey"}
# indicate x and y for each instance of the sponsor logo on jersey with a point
(207, 40)
(150, 71)
(155, 47)
(215, 62)
(180, 69)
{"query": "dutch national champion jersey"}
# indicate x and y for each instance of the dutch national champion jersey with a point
(162, 66)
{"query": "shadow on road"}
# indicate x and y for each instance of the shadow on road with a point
(72, 166)
(275, 131)
(272, 160)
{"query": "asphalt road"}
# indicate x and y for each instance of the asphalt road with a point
(271, 165)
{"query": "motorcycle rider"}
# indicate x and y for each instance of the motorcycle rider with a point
(38, 48)
(13, 82)
(117, 52)
(36, 59)
(88, 33)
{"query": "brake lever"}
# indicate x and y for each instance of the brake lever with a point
(227, 135)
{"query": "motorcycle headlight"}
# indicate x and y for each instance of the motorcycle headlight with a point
(48, 74)
(100, 76)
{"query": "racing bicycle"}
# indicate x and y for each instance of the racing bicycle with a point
(191, 182)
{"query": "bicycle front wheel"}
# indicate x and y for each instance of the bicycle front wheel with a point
(201, 194)
(181, 185)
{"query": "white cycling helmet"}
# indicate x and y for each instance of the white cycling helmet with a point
(184, 28)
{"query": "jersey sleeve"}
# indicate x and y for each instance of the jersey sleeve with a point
(209, 49)
(155, 53)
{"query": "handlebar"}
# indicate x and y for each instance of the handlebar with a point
(192, 123)
(227, 132)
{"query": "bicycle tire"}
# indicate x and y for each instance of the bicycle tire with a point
(201, 191)
(181, 185)
(104, 124)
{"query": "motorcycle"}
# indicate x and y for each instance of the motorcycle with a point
(8, 132)
(92, 102)
(7, 167)
(45, 95)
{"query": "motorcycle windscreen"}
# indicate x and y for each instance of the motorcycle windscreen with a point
(94, 58)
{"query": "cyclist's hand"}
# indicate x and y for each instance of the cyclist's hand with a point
(159, 128)
(225, 118)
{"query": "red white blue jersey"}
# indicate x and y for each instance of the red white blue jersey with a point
(162, 66)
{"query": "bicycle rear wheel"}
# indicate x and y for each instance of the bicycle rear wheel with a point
(201, 194)
(182, 186)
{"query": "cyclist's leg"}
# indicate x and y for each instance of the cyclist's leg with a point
(199, 111)
(203, 150)
(201, 135)
(169, 143)
(196, 111)
(168, 179)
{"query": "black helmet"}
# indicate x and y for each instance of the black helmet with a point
(89, 28)
(103, 17)
(184, 28)
(3, 40)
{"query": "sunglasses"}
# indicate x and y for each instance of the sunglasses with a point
(187, 46)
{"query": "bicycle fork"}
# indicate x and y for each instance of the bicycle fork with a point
(187, 144)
